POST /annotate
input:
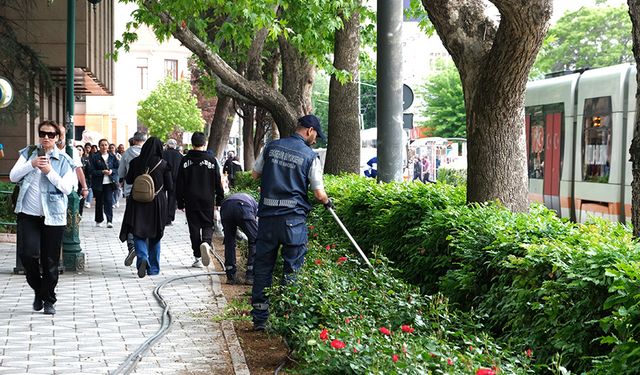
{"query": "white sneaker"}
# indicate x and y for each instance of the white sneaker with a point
(87, 205)
(109, 225)
(197, 263)
(99, 225)
(205, 249)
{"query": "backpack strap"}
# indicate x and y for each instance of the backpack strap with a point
(154, 168)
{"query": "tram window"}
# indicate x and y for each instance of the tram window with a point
(536, 147)
(596, 144)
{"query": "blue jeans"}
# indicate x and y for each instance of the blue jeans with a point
(290, 232)
(149, 253)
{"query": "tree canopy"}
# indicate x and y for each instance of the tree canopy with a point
(170, 105)
(444, 99)
(589, 37)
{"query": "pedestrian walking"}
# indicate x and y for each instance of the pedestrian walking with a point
(104, 178)
(145, 221)
(288, 167)
(198, 191)
(135, 146)
(239, 210)
(231, 167)
(173, 158)
(83, 190)
(46, 176)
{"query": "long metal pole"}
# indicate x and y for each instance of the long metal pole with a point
(72, 252)
(389, 97)
(353, 241)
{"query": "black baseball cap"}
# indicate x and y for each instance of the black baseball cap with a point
(311, 121)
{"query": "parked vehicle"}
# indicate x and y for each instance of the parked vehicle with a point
(579, 128)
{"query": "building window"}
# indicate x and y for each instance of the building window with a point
(142, 64)
(596, 144)
(171, 69)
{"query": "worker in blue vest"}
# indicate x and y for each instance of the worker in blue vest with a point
(288, 167)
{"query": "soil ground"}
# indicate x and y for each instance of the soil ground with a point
(264, 352)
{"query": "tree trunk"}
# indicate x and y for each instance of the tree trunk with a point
(494, 64)
(343, 152)
(297, 83)
(248, 123)
(221, 126)
(634, 150)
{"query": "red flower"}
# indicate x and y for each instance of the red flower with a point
(394, 358)
(183, 24)
(355, 350)
(317, 261)
(341, 260)
(529, 353)
(485, 371)
(470, 348)
(347, 320)
(315, 234)
(406, 328)
(324, 335)
(311, 226)
(449, 361)
(328, 247)
(337, 344)
(385, 331)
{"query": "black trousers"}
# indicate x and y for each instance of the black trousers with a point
(200, 225)
(234, 215)
(39, 245)
(104, 202)
(171, 206)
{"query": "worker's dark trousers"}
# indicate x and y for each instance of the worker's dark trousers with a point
(290, 232)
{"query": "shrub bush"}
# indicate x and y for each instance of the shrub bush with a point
(567, 291)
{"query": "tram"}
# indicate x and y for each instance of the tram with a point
(579, 127)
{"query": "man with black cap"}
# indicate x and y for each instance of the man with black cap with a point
(288, 167)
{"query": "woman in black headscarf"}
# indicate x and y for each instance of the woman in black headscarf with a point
(146, 221)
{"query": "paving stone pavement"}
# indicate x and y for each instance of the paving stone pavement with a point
(106, 312)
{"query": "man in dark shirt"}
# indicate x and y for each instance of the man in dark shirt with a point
(198, 183)
(173, 158)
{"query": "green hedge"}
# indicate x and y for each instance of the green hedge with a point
(570, 292)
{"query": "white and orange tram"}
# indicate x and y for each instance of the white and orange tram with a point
(579, 128)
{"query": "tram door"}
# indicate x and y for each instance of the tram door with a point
(552, 158)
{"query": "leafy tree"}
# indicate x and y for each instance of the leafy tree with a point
(494, 60)
(170, 105)
(444, 109)
(586, 38)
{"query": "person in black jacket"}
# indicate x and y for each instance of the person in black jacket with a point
(231, 167)
(103, 168)
(173, 157)
(146, 221)
(198, 180)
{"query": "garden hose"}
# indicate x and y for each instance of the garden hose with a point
(366, 260)
(165, 322)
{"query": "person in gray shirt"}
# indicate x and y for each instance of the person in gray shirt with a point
(132, 152)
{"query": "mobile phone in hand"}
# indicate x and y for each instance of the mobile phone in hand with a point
(41, 151)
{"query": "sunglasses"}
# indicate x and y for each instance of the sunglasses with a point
(50, 135)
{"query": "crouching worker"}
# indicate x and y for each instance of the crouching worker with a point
(288, 167)
(239, 210)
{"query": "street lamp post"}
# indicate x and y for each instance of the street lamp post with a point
(72, 252)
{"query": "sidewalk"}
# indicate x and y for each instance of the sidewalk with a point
(106, 312)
